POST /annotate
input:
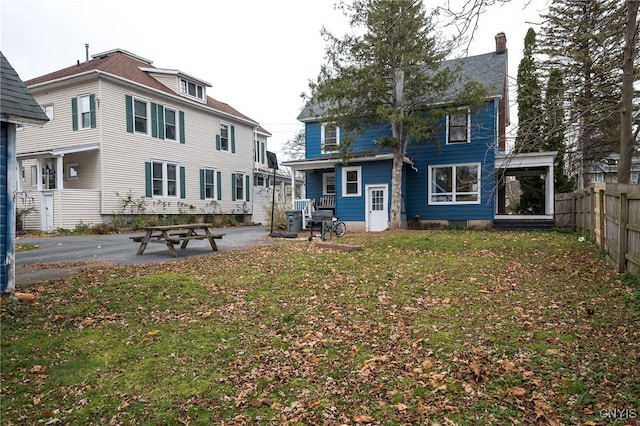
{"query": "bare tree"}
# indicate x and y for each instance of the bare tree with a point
(628, 138)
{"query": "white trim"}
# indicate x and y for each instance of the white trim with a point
(367, 200)
(165, 179)
(324, 183)
(228, 126)
(453, 192)
(344, 172)
(322, 144)
(135, 98)
(468, 127)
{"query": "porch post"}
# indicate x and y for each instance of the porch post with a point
(59, 173)
(549, 191)
(293, 188)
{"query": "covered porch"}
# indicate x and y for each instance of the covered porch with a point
(59, 188)
(508, 167)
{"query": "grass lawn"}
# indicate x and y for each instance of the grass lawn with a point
(419, 327)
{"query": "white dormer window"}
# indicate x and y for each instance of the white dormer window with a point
(330, 137)
(191, 89)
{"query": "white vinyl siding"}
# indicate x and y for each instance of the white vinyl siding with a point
(116, 169)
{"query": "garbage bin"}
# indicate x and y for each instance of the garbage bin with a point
(294, 220)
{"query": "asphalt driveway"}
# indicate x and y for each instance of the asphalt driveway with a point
(59, 257)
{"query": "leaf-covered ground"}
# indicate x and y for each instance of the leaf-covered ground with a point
(420, 327)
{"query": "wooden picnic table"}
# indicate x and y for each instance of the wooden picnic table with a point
(176, 234)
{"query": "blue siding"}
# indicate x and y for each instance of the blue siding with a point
(364, 142)
(353, 208)
(4, 205)
(481, 149)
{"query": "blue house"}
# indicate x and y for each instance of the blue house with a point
(458, 179)
(17, 107)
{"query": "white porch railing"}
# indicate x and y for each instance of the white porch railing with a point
(306, 207)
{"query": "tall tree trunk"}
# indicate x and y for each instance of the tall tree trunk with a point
(627, 138)
(396, 188)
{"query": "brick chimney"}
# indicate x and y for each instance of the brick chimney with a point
(501, 43)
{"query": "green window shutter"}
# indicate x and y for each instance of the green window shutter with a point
(219, 185)
(182, 137)
(154, 120)
(160, 121)
(129, 108)
(218, 142)
(255, 180)
(202, 184)
(183, 183)
(92, 101)
(233, 139)
(248, 186)
(268, 179)
(147, 180)
(74, 113)
(233, 186)
(262, 152)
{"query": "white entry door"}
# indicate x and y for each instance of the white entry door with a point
(377, 211)
(46, 211)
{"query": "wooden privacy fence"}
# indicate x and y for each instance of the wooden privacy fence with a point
(610, 215)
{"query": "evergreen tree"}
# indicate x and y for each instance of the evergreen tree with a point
(553, 130)
(583, 39)
(386, 73)
(530, 122)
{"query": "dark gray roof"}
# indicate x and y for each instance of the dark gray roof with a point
(16, 102)
(489, 69)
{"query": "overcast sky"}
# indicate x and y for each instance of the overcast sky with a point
(258, 55)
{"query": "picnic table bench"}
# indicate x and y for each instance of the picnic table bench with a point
(176, 234)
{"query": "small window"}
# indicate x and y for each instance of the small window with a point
(140, 114)
(170, 124)
(73, 171)
(192, 89)
(454, 184)
(330, 137)
(224, 137)
(328, 183)
(85, 112)
(458, 127)
(351, 181)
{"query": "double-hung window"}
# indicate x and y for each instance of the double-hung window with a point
(458, 126)
(330, 137)
(141, 116)
(240, 188)
(454, 184)
(224, 137)
(209, 183)
(170, 123)
(164, 179)
(83, 112)
(328, 183)
(351, 181)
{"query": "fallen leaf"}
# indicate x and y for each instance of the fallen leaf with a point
(363, 419)
(426, 364)
(515, 391)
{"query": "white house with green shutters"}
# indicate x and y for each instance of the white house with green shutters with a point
(122, 132)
